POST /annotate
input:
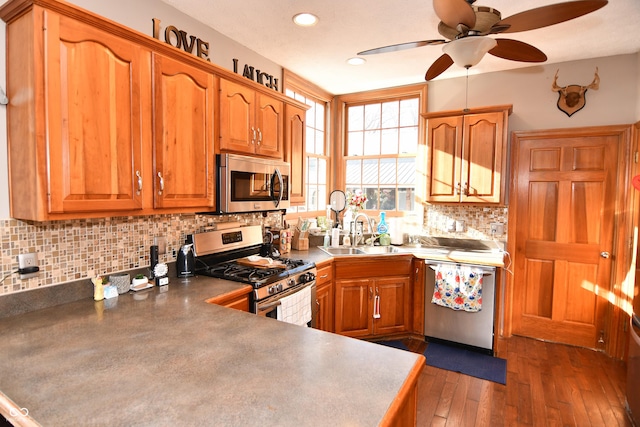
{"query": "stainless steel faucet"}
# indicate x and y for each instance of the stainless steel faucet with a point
(355, 237)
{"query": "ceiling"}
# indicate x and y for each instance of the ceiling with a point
(319, 53)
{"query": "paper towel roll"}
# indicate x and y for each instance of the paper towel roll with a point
(396, 231)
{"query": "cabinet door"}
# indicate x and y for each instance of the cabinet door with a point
(444, 138)
(183, 135)
(394, 304)
(482, 157)
(354, 300)
(295, 150)
(93, 85)
(269, 124)
(237, 122)
(324, 297)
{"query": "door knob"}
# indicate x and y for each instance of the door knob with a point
(604, 254)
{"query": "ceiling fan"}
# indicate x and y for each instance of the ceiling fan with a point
(467, 27)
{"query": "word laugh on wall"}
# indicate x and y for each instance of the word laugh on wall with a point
(181, 40)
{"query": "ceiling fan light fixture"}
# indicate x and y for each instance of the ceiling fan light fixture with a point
(468, 51)
(305, 19)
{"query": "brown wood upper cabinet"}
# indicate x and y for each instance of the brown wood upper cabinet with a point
(74, 122)
(467, 155)
(251, 122)
(183, 98)
(295, 150)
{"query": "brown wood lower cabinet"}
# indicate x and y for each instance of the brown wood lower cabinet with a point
(238, 299)
(373, 296)
(324, 297)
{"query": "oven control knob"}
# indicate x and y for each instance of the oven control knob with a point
(272, 290)
(291, 282)
(279, 287)
(307, 277)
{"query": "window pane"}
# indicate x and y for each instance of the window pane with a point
(310, 140)
(406, 171)
(322, 171)
(390, 114)
(409, 112)
(388, 171)
(354, 172)
(370, 173)
(372, 116)
(371, 142)
(312, 199)
(312, 170)
(319, 110)
(356, 118)
(409, 140)
(356, 144)
(311, 115)
(390, 141)
(405, 199)
(387, 199)
(319, 142)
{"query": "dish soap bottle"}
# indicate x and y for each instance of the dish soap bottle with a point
(383, 228)
(327, 239)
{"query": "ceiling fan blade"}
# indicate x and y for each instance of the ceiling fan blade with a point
(516, 50)
(454, 12)
(550, 15)
(438, 67)
(401, 46)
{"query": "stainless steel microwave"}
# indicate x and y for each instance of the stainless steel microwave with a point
(248, 184)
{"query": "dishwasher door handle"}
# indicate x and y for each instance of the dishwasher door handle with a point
(485, 271)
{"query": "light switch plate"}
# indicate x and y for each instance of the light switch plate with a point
(496, 229)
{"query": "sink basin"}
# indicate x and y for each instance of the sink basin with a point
(378, 249)
(343, 250)
(361, 250)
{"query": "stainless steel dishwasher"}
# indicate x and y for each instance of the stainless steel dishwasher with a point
(459, 326)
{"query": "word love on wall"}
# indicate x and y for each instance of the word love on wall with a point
(181, 40)
(256, 75)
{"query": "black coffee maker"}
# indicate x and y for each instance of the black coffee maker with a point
(185, 264)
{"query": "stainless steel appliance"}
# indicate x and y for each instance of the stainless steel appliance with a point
(469, 328)
(223, 254)
(185, 262)
(248, 184)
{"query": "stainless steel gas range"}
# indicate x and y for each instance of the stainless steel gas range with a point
(233, 254)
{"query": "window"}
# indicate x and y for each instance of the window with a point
(381, 144)
(317, 146)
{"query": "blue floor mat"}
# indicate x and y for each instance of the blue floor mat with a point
(466, 362)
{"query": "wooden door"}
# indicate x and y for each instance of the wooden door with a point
(482, 157)
(354, 299)
(295, 152)
(393, 293)
(238, 132)
(182, 135)
(444, 138)
(324, 296)
(269, 124)
(564, 213)
(94, 114)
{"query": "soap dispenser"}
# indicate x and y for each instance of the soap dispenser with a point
(383, 228)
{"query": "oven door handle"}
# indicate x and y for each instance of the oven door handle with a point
(269, 306)
(277, 198)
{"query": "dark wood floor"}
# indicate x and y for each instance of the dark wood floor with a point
(547, 385)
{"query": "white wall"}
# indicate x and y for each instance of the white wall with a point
(534, 103)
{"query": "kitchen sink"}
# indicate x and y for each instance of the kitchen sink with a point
(360, 250)
(343, 250)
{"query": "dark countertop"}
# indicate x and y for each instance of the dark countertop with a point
(168, 358)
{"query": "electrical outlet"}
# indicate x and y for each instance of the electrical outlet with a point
(28, 265)
(496, 229)
(161, 243)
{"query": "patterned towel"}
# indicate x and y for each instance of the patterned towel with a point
(296, 308)
(458, 287)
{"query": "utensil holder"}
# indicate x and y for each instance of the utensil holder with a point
(122, 282)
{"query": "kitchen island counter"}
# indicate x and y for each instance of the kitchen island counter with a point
(168, 358)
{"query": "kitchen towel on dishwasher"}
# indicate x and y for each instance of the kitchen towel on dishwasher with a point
(458, 287)
(296, 308)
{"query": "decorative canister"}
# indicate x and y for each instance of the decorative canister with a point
(122, 282)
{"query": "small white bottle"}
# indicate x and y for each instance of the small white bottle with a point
(327, 239)
(346, 240)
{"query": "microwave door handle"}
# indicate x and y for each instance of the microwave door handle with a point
(277, 175)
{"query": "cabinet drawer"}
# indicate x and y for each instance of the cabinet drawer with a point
(324, 275)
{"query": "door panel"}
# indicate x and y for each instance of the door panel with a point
(565, 199)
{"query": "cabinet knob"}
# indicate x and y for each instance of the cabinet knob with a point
(139, 182)
(161, 183)
(465, 189)
(456, 189)
(259, 136)
(253, 139)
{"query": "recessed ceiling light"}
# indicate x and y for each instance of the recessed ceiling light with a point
(356, 60)
(305, 19)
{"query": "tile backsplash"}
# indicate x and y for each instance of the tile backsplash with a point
(77, 249)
